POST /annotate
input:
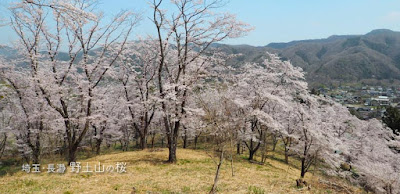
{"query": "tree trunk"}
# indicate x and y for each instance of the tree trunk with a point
(221, 159)
(185, 141)
(143, 142)
(252, 149)
(251, 154)
(195, 141)
(238, 148)
(172, 153)
(3, 146)
(287, 144)
(274, 142)
(152, 141)
(172, 149)
(91, 143)
(303, 168)
(98, 145)
(264, 149)
(138, 144)
(232, 171)
(172, 141)
(72, 153)
(263, 157)
(286, 155)
(126, 144)
(36, 149)
(122, 144)
(274, 145)
(36, 156)
(63, 147)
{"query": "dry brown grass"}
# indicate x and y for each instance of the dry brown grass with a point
(147, 172)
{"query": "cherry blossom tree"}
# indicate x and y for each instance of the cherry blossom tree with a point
(262, 92)
(136, 74)
(68, 86)
(308, 147)
(27, 123)
(220, 122)
(6, 116)
(106, 122)
(183, 40)
(338, 137)
(368, 146)
(287, 133)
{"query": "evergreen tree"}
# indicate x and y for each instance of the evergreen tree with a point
(392, 119)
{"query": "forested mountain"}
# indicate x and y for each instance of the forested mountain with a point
(369, 58)
(373, 58)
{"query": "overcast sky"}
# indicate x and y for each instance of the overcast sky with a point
(278, 20)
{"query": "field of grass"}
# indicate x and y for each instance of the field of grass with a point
(193, 173)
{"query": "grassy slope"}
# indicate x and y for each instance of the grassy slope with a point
(148, 173)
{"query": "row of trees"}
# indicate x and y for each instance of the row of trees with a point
(69, 91)
(175, 84)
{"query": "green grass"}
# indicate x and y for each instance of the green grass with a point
(255, 190)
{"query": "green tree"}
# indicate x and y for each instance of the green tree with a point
(392, 119)
(315, 91)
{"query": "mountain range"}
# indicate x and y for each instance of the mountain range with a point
(373, 58)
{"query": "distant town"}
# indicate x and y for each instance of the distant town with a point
(365, 102)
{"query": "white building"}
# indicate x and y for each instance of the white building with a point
(380, 101)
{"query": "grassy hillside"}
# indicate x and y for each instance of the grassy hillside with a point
(193, 173)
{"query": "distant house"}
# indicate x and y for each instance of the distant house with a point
(380, 101)
(373, 92)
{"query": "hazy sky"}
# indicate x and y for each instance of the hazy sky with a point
(280, 20)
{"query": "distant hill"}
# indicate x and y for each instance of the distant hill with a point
(8, 52)
(373, 58)
(292, 43)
